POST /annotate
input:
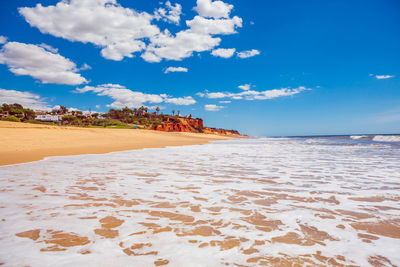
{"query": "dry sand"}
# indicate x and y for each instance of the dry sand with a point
(23, 142)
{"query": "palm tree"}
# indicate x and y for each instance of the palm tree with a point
(157, 110)
(173, 112)
(63, 110)
(179, 112)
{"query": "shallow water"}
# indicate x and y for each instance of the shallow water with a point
(267, 201)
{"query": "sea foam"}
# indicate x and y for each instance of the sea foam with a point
(245, 202)
(386, 138)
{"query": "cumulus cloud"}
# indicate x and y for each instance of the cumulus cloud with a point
(202, 25)
(3, 39)
(182, 101)
(225, 101)
(214, 9)
(255, 95)
(381, 77)
(212, 107)
(39, 63)
(198, 38)
(175, 69)
(223, 52)
(217, 95)
(171, 13)
(167, 46)
(26, 99)
(124, 31)
(85, 67)
(105, 23)
(49, 48)
(248, 53)
(244, 86)
(124, 97)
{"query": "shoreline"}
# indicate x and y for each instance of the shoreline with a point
(24, 142)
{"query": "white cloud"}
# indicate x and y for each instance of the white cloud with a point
(3, 39)
(26, 99)
(214, 9)
(167, 46)
(85, 67)
(223, 52)
(172, 13)
(214, 26)
(176, 69)
(255, 95)
(217, 95)
(225, 101)
(248, 53)
(117, 30)
(39, 63)
(381, 77)
(212, 107)
(244, 86)
(124, 97)
(198, 38)
(183, 101)
(121, 32)
(201, 94)
(49, 48)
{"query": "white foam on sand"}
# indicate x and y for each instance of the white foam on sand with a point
(248, 202)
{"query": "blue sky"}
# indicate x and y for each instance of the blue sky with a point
(304, 67)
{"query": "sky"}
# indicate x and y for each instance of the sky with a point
(263, 67)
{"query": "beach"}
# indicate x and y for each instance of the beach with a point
(246, 202)
(23, 142)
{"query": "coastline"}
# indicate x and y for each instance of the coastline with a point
(23, 142)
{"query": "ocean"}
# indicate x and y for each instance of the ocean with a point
(311, 201)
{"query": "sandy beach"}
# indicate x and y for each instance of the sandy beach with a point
(23, 142)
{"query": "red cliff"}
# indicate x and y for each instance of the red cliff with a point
(177, 124)
(181, 124)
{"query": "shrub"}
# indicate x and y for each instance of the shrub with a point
(11, 118)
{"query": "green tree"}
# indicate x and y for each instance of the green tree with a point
(6, 107)
(69, 119)
(17, 106)
(29, 114)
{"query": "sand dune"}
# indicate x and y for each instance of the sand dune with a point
(22, 142)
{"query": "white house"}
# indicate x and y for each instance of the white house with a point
(48, 117)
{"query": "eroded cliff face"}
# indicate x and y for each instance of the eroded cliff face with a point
(220, 131)
(180, 124)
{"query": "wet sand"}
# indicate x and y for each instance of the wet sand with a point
(238, 203)
(23, 142)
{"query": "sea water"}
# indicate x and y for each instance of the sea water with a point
(248, 202)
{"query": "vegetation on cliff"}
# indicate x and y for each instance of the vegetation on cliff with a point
(115, 118)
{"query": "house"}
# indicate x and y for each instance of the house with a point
(40, 112)
(48, 117)
(4, 114)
